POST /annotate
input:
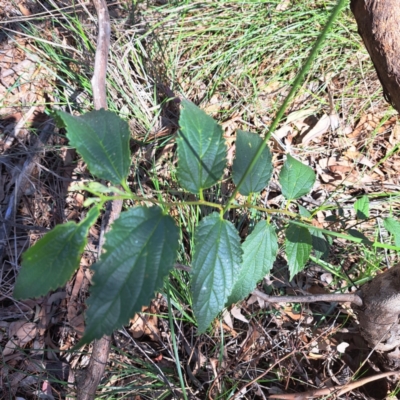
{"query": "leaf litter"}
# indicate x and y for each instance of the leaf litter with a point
(281, 347)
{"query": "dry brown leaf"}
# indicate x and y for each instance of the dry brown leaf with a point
(283, 131)
(341, 168)
(314, 356)
(20, 333)
(268, 87)
(144, 324)
(24, 10)
(316, 289)
(237, 313)
(300, 115)
(295, 316)
(74, 309)
(321, 127)
(395, 135)
(251, 338)
(23, 331)
(227, 328)
(226, 316)
(359, 127)
(283, 6)
(9, 348)
(352, 154)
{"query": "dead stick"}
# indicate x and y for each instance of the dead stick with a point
(102, 49)
(101, 347)
(336, 390)
(338, 297)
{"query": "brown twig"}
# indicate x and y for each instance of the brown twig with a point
(338, 297)
(336, 390)
(101, 347)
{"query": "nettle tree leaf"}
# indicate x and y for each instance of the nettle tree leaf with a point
(393, 227)
(357, 234)
(102, 139)
(320, 244)
(298, 245)
(303, 211)
(296, 178)
(215, 267)
(259, 253)
(361, 207)
(247, 145)
(49, 263)
(140, 250)
(201, 149)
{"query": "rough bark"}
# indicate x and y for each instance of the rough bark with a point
(378, 25)
(379, 314)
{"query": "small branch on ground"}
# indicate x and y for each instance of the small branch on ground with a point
(101, 347)
(336, 390)
(337, 297)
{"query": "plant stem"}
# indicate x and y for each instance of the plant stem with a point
(175, 346)
(296, 84)
(347, 237)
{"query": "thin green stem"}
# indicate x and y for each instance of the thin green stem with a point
(175, 346)
(271, 211)
(126, 187)
(104, 199)
(296, 84)
(347, 237)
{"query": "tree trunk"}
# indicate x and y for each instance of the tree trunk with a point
(379, 314)
(378, 24)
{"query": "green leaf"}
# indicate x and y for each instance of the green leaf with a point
(247, 145)
(319, 244)
(361, 206)
(49, 263)
(140, 250)
(102, 139)
(360, 235)
(298, 248)
(295, 178)
(201, 149)
(97, 189)
(259, 252)
(215, 267)
(393, 227)
(304, 212)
